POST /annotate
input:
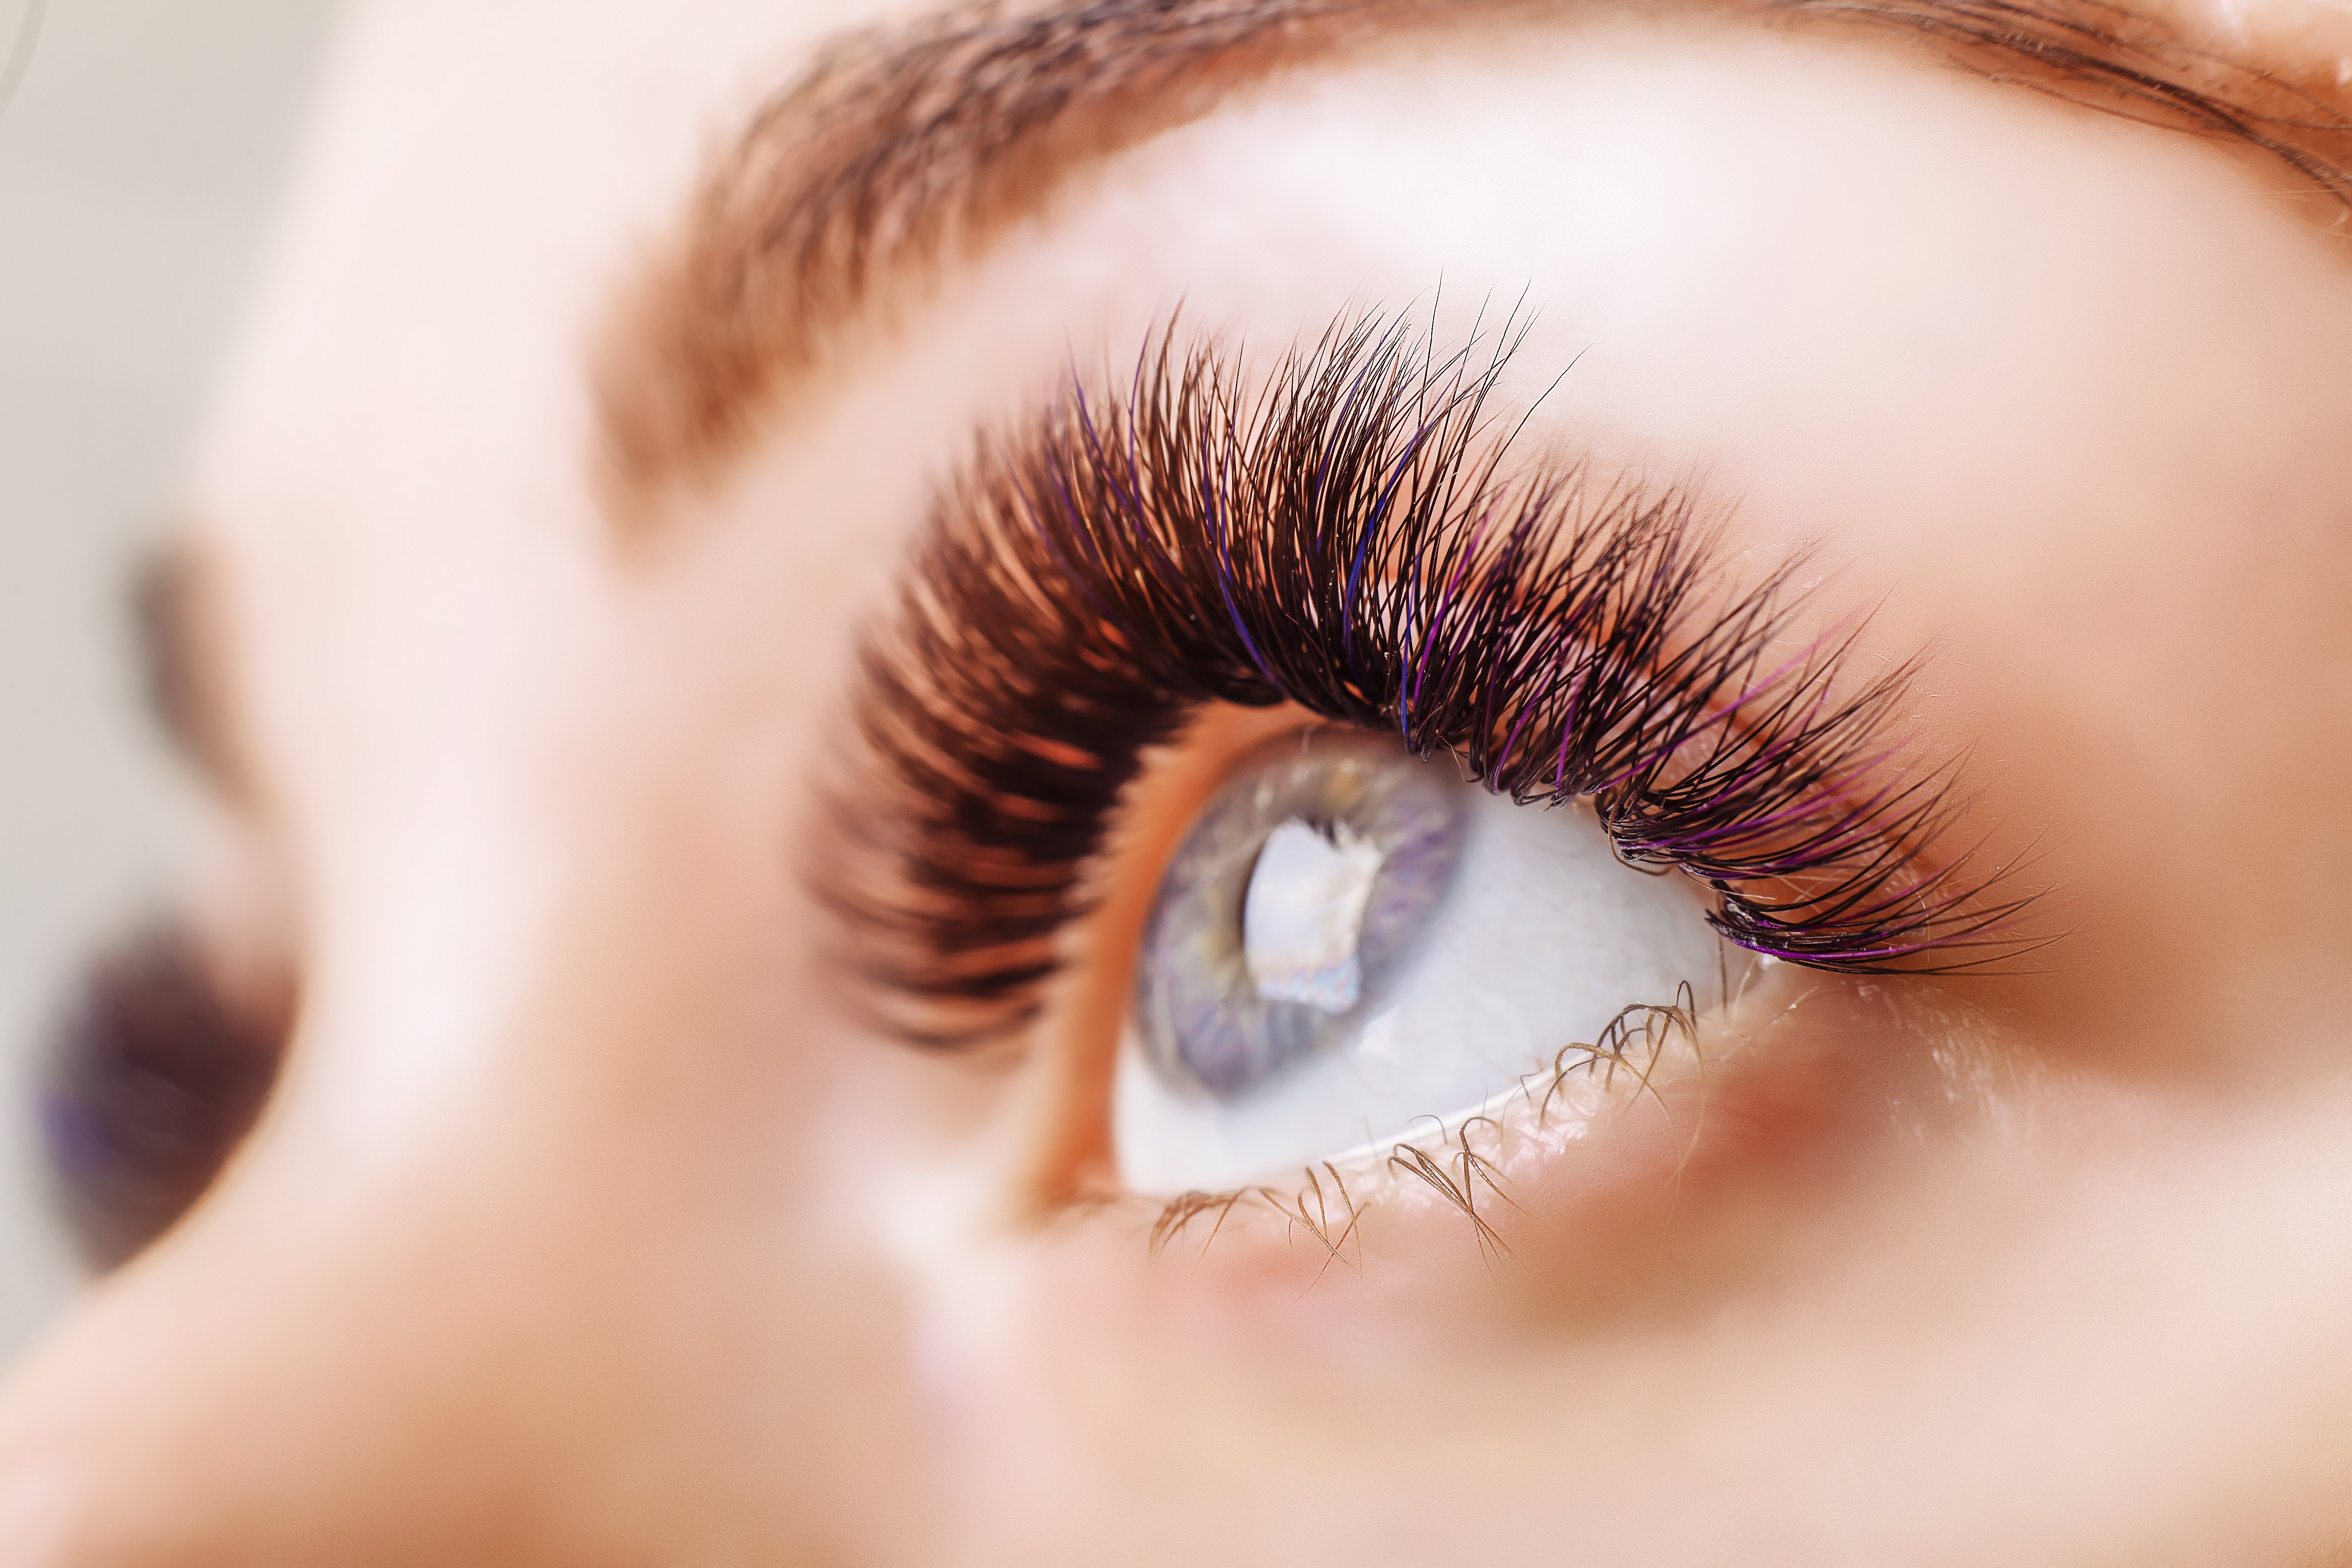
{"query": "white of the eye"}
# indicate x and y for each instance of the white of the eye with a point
(1304, 914)
(1542, 938)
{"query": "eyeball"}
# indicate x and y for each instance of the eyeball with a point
(1351, 940)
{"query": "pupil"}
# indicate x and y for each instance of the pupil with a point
(1303, 917)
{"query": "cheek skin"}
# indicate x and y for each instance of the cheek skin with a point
(1958, 1323)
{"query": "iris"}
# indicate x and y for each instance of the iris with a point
(1292, 906)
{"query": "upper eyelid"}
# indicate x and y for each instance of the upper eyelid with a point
(967, 848)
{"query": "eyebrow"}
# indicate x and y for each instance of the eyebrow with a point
(174, 612)
(901, 149)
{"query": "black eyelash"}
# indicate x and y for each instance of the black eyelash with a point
(1349, 540)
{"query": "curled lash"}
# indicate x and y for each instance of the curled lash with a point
(1350, 539)
(1451, 1164)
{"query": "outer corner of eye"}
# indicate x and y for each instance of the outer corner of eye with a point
(1348, 941)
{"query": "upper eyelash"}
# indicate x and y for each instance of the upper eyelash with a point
(1349, 539)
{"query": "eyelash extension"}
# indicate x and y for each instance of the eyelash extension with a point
(1350, 539)
(154, 1074)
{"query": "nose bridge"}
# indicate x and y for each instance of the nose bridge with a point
(526, 1308)
(526, 1261)
(426, 1364)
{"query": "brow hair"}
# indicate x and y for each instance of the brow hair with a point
(904, 147)
(173, 600)
(2107, 57)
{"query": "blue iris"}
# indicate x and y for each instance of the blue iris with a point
(1291, 905)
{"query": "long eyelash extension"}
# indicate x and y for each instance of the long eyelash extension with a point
(1350, 539)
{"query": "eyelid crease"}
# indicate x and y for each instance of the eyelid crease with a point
(908, 144)
(1350, 539)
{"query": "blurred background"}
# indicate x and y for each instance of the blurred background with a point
(142, 143)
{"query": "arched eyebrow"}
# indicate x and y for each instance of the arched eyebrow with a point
(901, 149)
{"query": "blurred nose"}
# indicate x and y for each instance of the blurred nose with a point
(559, 1299)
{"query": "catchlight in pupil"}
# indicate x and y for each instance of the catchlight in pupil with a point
(1350, 939)
(1304, 916)
(1289, 904)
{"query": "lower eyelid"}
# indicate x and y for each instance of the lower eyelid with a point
(1501, 1185)
(1589, 1188)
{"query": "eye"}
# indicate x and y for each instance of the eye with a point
(1350, 939)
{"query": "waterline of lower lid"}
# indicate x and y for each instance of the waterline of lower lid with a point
(1559, 1114)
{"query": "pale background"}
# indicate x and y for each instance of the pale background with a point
(138, 159)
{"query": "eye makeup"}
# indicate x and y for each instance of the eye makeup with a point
(1351, 534)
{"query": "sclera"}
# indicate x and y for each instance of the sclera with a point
(1542, 936)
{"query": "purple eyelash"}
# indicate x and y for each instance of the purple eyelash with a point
(154, 1076)
(1349, 539)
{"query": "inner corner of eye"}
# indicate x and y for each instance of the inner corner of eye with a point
(1348, 940)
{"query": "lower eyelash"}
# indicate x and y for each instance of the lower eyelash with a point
(155, 1074)
(1450, 1165)
(1349, 539)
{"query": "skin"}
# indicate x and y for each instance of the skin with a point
(586, 1227)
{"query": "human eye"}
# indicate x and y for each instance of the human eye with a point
(1496, 778)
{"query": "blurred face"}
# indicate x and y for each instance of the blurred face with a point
(1380, 788)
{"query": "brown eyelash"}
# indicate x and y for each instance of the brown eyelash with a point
(156, 1073)
(1349, 540)
(1633, 1042)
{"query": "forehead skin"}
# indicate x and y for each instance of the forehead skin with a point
(578, 1233)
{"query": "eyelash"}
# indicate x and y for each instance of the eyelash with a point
(1451, 1164)
(1347, 540)
(154, 1075)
